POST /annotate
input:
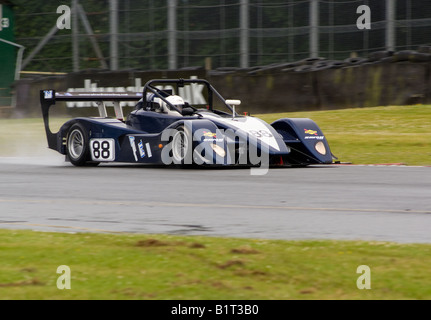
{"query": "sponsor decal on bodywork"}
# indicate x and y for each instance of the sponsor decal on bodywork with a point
(141, 149)
(312, 134)
(149, 153)
(211, 136)
(308, 131)
(133, 146)
(144, 149)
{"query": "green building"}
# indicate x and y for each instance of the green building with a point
(8, 53)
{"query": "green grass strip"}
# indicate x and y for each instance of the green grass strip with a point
(135, 266)
(394, 134)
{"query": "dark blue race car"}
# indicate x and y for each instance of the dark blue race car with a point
(180, 122)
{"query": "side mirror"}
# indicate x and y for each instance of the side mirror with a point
(233, 103)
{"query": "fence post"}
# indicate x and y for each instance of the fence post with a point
(291, 41)
(75, 36)
(314, 28)
(114, 34)
(244, 26)
(172, 34)
(390, 25)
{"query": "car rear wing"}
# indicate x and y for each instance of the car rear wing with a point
(48, 98)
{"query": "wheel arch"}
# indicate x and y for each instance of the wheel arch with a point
(302, 136)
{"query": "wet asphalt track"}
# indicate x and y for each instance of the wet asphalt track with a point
(381, 203)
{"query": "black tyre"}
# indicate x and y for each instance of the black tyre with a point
(404, 55)
(180, 145)
(77, 146)
(376, 56)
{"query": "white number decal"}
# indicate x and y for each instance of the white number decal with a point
(102, 149)
(261, 133)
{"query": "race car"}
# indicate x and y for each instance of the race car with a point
(180, 122)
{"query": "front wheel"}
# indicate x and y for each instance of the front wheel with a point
(77, 146)
(181, 147)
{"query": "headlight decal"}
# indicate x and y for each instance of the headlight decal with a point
(320, 147)
(219, 150)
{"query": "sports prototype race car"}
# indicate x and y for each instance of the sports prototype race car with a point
(180, 122)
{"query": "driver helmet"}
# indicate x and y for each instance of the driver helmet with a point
(176, 101)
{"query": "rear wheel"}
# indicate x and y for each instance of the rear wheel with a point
(77, 146)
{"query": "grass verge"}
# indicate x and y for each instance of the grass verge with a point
(394, 134)
(131, 266)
